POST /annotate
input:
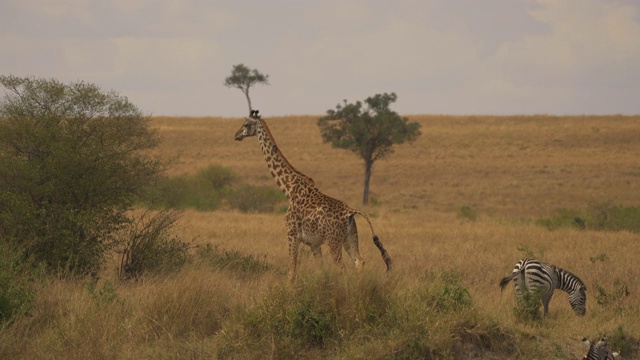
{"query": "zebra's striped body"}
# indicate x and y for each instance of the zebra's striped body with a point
(532, 275)
(598, 351)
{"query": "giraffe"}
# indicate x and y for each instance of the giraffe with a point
(312, 218)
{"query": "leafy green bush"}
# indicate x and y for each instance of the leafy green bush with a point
(256, 199)
(216, 177)
(209, 189)
(527, 307)
(311, 324)
(468, 213)
(446, 292)
(72, 161)
(599, 216)
(16, 295)
(615, 296)
(564, 218)
(614, 218)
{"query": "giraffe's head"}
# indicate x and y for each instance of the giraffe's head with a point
(249, 127)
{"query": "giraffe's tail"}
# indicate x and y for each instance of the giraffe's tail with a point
(376, 241)
(383, 252)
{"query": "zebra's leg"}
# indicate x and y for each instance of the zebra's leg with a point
(546, 298)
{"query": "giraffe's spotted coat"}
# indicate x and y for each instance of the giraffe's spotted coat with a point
(313, 218)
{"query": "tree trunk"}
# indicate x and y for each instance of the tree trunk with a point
(368, 164)
(246, 94)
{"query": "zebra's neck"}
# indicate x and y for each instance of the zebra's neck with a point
(566, 281)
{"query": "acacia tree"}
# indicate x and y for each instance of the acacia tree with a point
(72, 161)
(244, 78)
(369, 131)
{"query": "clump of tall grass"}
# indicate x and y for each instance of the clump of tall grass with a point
(149, 246)
(360, 314)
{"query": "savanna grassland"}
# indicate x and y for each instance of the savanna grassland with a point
(456, 209)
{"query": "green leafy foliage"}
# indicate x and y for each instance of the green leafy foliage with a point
(614, 296)
(16, 295)
(446, 292)
(210, 189)
(205, 191)
(72, 161)
(468, 213)
(250, 198)
(369, 131)
(528, 307)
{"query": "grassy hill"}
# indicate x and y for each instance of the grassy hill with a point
(456, 209)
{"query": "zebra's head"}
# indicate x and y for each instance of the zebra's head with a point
(598, 350)
(578, 299)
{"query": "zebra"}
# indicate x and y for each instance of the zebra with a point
(530, 274)
(598, 351)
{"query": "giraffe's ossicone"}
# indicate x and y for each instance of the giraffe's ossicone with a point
(313, 218)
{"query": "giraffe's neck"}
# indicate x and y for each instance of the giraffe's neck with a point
(287, 177)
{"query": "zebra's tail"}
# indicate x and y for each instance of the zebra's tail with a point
(505, 280)
(385, 256)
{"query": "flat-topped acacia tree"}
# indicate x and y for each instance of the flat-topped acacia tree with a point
(244, 78)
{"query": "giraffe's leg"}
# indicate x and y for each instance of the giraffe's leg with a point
(336, 251)
(316, 250)
(294, 242)
(293, 256)
(351, 247)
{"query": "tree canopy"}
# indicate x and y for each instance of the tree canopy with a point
(369, 130)
(244, 78)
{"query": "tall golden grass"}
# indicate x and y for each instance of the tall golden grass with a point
(508, 170)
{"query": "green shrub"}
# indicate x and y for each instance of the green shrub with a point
(210, 189)
(467, 213)
(216, 177)
(72, 160)
(311, 324)
(615, 296)
(206, 190)
(599, 216)
(563, 218)
(527, 307)
(614, 218)
(16, 295)
(256, 199)
(445, 292)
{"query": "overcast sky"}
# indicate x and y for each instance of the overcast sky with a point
(439, 56)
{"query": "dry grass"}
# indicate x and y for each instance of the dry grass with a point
(509, 170)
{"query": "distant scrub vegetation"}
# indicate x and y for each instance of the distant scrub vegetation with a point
(601, 216)
(212, 188)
